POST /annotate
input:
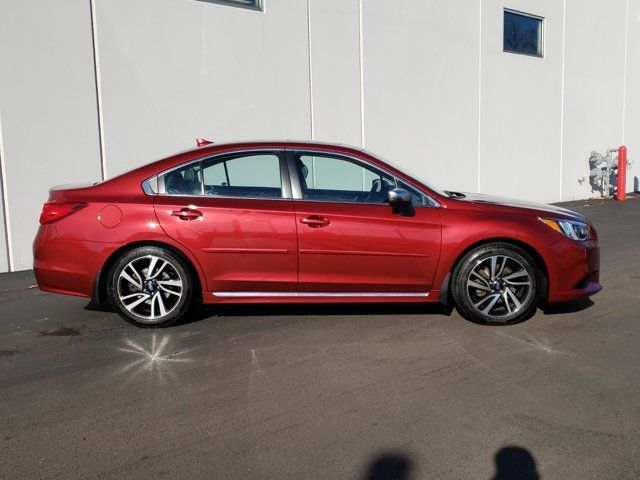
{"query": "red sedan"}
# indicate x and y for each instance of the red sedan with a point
(292, 222)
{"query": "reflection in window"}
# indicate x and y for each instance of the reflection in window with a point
(184, 181)
(250, 176)
(522, 33)
(417, 198)
(327, 178)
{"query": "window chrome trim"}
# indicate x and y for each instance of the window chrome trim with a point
(150, 185)
(542, 33)
(436, 204)
(318, 294)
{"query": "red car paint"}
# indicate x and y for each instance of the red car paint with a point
(298, 248)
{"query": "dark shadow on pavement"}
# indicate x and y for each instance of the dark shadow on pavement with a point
(203, 312)
(260, 310)
(515, 463)
(327, 309)
(389, 466)
(99, 307)
(567, 307)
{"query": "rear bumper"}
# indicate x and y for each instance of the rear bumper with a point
(67, 266)
(574, 270)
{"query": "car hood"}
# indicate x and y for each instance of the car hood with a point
(493, 203)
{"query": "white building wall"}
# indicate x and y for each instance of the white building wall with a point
(48, 108)
(421, 70)
(335, 65)
(521, 105)
(632, 94)
(593, 88)
(174, 70)
(423, 83)
(4, 250)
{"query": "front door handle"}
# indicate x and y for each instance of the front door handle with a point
(315, 221)
(187, 214)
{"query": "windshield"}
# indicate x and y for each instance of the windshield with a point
(409, 174)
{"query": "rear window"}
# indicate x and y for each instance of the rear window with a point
(255, 175)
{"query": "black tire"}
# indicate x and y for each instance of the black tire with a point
(478, 283)
(161, 298)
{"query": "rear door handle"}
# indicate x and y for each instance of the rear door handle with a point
(187, 214)
(315, 221)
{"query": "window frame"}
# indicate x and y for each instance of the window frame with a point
(285, 184)
(542, 33)
(297, 189)
(258, 5)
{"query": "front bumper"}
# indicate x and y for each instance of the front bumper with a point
(573, 268)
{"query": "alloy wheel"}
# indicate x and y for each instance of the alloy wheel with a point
(150, 288)
(498, 286)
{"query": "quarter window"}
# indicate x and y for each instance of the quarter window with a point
(417, 198)
(523, 33)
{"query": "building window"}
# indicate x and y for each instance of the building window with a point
(523, 33)
(252, 4)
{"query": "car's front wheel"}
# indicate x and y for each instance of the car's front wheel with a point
(496, 283)
(150, 287)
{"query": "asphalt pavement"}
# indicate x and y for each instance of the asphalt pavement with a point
(393, 392)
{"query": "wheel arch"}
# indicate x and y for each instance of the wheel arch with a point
(101, 280)
(445, 290)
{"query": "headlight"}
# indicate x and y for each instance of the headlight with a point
(573, 230)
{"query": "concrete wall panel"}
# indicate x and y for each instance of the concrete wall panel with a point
(48, 108)
(421, 87)
(4, 252)
(172, 71)
(632, 97)
(335, 61)
(521, 107)
(593, 88)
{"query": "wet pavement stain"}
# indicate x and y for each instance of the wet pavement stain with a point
(60, 332)
(7, 353)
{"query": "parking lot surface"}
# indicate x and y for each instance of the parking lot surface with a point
(336, 392)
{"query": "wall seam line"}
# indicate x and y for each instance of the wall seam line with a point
(361, 58)
(98, 84)
(5, 202)
(479, 93)
(311, 124)
(624, 76)
(562, 89)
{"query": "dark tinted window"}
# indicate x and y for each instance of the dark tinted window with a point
(522, 33)
(184, 181)
(249, 176)
(337, 179)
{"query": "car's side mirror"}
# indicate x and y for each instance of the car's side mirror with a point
(400, 201)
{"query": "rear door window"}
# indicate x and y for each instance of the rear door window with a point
(246, 176)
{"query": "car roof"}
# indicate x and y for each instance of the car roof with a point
(133, 178)
(273, 143)
(195, 152)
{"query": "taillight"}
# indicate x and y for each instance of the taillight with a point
(52, 212)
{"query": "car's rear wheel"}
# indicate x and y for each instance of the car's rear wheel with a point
(496, 283)
(150, 287)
